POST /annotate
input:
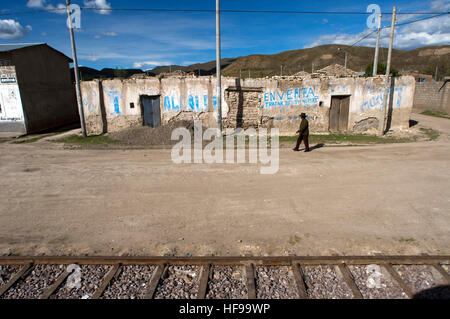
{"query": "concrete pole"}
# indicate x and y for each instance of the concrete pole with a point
(377, 48)
(75, 70)
(219, 84)
(388, 72)
(345, 63)
(281, 71)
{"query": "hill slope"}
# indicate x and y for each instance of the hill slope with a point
(423, 59)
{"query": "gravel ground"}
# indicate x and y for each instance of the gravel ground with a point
(6, 273)
(388, 288)
(131, 283)
(322, 282)
(181, 282)
(35, 283)
(146, 135)
(275, 283)
(417, 277)
(91, 278)
(227, 282)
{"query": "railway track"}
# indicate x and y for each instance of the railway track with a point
(290, 277)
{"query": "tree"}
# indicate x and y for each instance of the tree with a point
(120, 73)
(381, 70)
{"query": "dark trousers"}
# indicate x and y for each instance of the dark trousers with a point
(305, 139)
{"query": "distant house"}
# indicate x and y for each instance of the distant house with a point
(419, 77)
(36, 90)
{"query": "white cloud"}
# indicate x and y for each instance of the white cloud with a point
(13, 30)
(140, 65)
(434, 31)
(36, 3)
(102, 6)
(44, 4)
(110, 34)
(440, 5)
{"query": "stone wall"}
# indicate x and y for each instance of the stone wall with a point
(433, 96)
(112, 105)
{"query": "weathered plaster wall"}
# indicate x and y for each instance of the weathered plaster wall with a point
(247, 103)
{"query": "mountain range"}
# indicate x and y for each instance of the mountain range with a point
(422, 60)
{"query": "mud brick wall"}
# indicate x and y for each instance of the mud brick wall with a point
(112, 105)
(433, 96)
(244, 108)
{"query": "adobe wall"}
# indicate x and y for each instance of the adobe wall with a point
(112, 105)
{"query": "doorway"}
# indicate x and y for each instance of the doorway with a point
(151, 110)
(339, 113)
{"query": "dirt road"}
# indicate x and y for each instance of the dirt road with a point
(336, 200)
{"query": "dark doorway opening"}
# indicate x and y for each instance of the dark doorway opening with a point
(151, 112)
(339, 113)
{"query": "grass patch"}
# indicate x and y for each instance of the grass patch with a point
(90, 140)
(294, 240)
(347, 138)
(34, 139)
(436, 114)
(406, 240)
(4, 140)
(430, 133)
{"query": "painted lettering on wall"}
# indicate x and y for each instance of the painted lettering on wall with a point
(88, 106)
(376, 101)
(299, 96)
(115, 96)
(196, 103)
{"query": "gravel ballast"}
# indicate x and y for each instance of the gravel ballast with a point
(322, 282)
(132, 283)
(180, 282)
(35, 283)
(417, 277)
(227, 282)
(91, 278)
(275, 283)
(388, 289)
(7, 272)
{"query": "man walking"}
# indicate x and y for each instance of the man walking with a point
(304, 134)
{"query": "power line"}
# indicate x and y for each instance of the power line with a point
(56, 10)
(398, 24)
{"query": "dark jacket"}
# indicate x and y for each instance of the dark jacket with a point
(304, 127)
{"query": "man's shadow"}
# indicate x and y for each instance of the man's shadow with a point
(315, 147)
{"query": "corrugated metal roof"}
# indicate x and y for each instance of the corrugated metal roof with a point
(12, 47)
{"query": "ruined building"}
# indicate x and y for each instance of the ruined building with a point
(333, 104)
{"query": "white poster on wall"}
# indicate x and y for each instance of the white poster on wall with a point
(10, 103)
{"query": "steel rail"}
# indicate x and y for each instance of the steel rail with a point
(213, 260)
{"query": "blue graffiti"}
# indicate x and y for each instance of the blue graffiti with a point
(169, 104)
(291, 97)
(115, 96)
(377, 100)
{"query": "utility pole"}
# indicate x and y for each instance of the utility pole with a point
(281, 70)
(388, 71)
(240, 73)
(219, 86)
(345, 52)
(435, 74)
(75, 70)
(375, 61)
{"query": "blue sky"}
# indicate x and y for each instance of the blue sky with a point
(146, 39)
